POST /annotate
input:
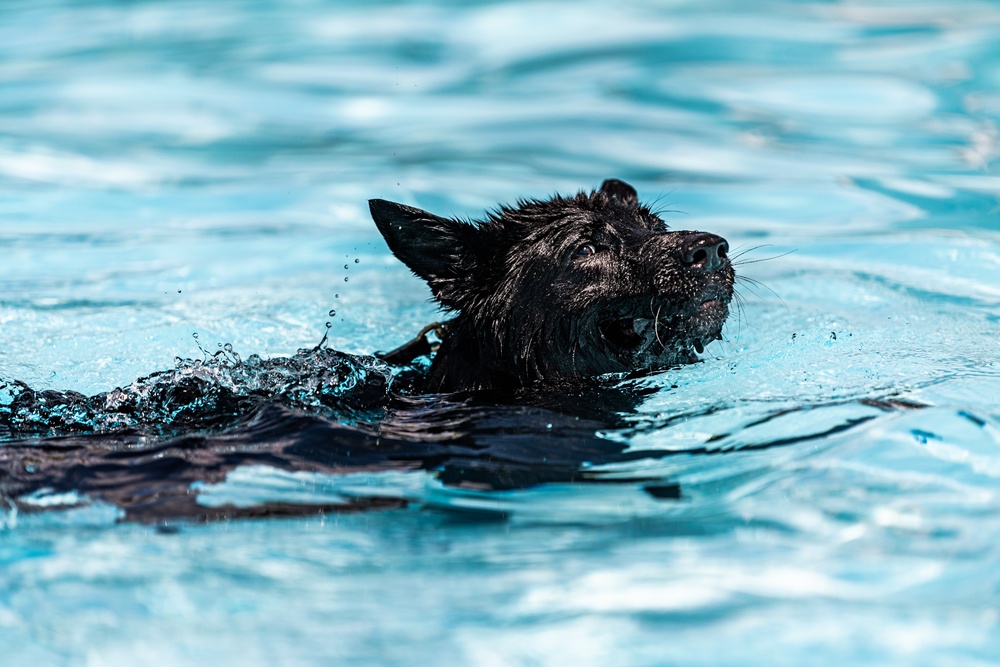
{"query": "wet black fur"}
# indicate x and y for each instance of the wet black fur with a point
(548, 291)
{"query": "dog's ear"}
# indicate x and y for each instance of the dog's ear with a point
(431, 246)
(621, 191)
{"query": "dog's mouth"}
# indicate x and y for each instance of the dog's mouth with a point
(670, 339)
(622, 334)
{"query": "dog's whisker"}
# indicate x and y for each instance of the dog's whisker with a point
(655, 207)
(740, 250)
(751, 284)
(743, 262)
(741, 315)
(656, 327)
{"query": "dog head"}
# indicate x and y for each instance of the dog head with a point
(565, 288)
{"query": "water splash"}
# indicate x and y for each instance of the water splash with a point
(204, 394)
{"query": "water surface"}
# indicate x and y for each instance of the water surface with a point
(171, 168)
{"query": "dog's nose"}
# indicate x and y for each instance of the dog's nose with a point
(705, 251)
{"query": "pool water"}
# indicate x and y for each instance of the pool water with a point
(178, 168)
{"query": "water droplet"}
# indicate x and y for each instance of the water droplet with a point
(336, 296)
(229, 347)
(346, 267)
(333, 313)
(346, 279)
(357, 261)
(195, 334)
(329, 324)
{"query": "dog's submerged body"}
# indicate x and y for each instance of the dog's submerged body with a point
(562, 290)
(546, 296)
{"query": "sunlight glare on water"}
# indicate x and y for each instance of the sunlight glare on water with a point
(168, 168)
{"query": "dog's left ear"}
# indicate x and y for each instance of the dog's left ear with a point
(621, 191)
(431, 246)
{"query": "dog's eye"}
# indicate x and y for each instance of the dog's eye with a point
(585, 251)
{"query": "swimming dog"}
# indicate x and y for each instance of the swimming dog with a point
(546, 297)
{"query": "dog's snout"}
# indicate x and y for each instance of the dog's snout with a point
(705, 251)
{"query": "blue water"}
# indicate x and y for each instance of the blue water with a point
(171, 168)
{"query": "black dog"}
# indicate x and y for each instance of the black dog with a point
(547, 296)
(562, 290)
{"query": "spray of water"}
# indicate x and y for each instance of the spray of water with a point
(205, 394)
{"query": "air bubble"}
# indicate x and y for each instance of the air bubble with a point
(346, 267)
(336, 296)
(333, 313)
(346, 279)
(357, 261)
